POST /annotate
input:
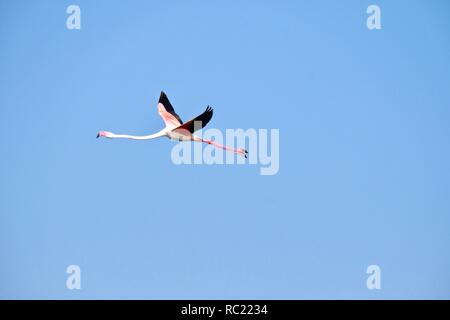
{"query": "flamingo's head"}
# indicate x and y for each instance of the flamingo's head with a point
(104, 134)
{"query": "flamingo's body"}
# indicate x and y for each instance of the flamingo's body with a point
(175, 128)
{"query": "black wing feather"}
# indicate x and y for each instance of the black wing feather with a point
(198, 122)
(168, 106)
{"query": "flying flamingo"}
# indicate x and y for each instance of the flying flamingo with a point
(175, 128)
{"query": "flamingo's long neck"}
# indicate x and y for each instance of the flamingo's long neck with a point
(147, 137)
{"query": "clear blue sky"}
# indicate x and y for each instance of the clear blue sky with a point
(364, 150)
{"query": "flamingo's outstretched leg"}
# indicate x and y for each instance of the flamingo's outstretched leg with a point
(240, 151)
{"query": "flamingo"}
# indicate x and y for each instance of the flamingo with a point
(175, 129)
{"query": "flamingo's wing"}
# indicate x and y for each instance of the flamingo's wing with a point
(167, 113)
(198, 122)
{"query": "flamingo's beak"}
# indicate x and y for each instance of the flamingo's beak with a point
(98, 135)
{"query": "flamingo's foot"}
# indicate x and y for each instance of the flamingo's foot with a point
(243, 152)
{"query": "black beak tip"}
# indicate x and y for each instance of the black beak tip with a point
(98, 135)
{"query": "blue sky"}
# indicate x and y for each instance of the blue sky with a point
(364, 150)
